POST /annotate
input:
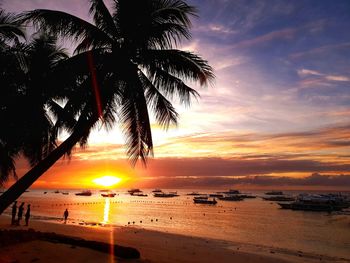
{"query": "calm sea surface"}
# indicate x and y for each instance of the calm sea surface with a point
(252, 221)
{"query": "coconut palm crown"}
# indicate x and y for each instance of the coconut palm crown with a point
(133, 64)
(25, 97)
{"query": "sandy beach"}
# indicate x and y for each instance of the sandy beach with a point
(153, 246)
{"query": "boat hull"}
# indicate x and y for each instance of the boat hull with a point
(209, 202)
(310, 207)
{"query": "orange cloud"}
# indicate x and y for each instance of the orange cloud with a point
(216, 155)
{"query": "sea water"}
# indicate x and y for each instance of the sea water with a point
(253, 221)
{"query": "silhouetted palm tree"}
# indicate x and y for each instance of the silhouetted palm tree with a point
(125, 63)
(10, 31)
(26, 95)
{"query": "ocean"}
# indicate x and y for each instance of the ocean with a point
(253, 221)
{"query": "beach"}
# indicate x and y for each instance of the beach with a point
(154, 246)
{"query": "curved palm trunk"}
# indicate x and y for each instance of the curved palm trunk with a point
(17, 189)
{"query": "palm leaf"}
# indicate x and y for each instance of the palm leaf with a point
(172, 86)
(135, 120)
(173, 10)
(164, 111)
(10, 28)
(103, 18)
(66, 26)
(7, 164)
(182, 64)
(165, 35)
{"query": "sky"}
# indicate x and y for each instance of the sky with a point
(277, 114)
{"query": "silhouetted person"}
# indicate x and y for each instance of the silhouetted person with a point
(27, 215)
(20, 213)
(14, 211)
(65, 215)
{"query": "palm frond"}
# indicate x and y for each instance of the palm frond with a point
(153, 23)
(166, 35)
(135, 120)
(183, 64)
(103, 18)
(172, 86)
(175, 11)
(66, 26)
(7, 164)
(164, 111)
(10, 28)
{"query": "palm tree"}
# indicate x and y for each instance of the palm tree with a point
(126, 63)
(11, 32)
(25, 97)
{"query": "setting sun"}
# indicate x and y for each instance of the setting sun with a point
(107, 180)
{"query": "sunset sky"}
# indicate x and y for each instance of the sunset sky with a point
(277, 115)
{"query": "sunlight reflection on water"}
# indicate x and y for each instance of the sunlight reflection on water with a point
(106, 211)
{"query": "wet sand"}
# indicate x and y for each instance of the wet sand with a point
(154, 246)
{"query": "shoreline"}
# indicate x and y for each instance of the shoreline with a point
(156, 246)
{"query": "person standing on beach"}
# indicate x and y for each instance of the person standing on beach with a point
(65, 215)
(27, 215)
(14, 211)
(20, 213)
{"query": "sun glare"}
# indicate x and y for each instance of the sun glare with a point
(107, 180)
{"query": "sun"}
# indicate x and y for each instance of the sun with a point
(107, 180)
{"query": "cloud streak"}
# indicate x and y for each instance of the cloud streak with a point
(313, 181)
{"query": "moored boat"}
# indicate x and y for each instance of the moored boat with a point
(279, 198)
(310, 206)
(231, 198)
(85, 193)
(139, 194)
(274, 193)
(108, 195)
(231, 191)
(216, 195)
(204, 200)
(134, 190)
(308, 202)
(193, 193)
(247, 196)
(200, 197)
(162, 194)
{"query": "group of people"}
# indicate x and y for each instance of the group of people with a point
(19, 212)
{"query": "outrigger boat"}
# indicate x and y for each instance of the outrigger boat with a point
(204, 200)
(85, 193)
(108, 195)
(327, 203)
(171, 194)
